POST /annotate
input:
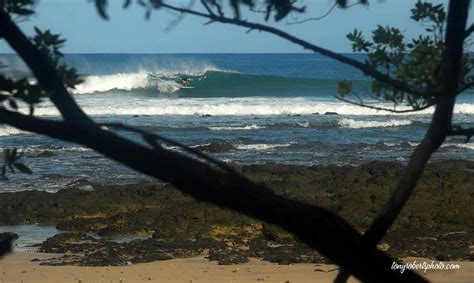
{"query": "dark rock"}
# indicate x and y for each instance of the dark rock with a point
(216, 147)
(331, 113)
(68, 242)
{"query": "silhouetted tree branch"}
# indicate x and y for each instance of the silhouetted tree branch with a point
(459, 131)
(324, 15)
(318, 227)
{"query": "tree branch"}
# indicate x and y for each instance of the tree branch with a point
(361, 104)
(399, 85)
(318, 227)
(147, 136)
(469, 31)
(42, 68)
(324, 15)
(465, 87)
(458, 131)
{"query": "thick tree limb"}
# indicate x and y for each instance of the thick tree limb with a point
(399, 85)
(318, 227)
(42, 68)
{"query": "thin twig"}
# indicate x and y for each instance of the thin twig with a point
(147, 135)
(361, 104)
(322, 16)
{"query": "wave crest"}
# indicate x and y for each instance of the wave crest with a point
(236, 128)
(354, 124)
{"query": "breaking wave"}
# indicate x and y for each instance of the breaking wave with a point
(354, 124)
(257, 106)
(10, 131)
(236, 128)
(206, 82)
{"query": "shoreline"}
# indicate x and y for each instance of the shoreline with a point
(19, 267)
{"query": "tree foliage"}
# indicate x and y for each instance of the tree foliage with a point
(415, 62)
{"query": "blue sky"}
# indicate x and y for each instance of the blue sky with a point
(128, 32)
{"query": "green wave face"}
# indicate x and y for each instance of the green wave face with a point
(229, 84)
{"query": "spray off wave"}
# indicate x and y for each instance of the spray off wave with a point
(163, 81)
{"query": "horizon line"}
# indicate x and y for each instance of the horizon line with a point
(183, 53)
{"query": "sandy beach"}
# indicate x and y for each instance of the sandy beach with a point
(18, 267)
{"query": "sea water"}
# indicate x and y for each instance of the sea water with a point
(269, 107)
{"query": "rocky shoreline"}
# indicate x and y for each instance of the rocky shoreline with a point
(437, 223)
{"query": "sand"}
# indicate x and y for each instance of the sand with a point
(17, 267)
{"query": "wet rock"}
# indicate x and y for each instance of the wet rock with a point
(68, 242)
(216, 147)
(275, 234)
(331, 113)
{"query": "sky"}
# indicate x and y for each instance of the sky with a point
(127, 31)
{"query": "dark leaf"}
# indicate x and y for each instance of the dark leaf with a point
(101, 6)
(22, 168)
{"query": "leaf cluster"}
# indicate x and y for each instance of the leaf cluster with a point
(50, 44)
(27, 90)
(278, 9)
(18, 7)
(11, 163)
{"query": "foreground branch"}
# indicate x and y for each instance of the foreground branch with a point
(318, 227)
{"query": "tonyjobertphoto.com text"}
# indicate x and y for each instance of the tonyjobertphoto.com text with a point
(236, 141)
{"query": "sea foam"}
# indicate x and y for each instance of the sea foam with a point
(256, 106)
(357, 124)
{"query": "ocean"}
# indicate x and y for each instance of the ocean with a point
(263, 107)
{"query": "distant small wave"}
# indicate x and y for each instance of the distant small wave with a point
(469, 145)
(236, 128)
(262, 146)
(355, 124)
(9, 131)
(304, 124)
